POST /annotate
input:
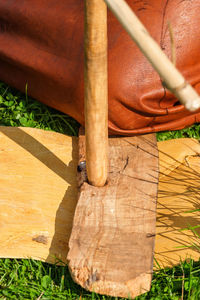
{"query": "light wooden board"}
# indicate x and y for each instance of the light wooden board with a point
(39, 193)
(113, 235)
(179, 185)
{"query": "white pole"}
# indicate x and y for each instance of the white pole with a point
(172, 78)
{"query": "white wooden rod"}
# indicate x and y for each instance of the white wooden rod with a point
(96, 92)
(172, 78)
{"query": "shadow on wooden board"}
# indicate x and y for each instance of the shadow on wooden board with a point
(178, 205)
(39, 194)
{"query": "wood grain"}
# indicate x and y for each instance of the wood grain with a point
(178, 202)
(113, 223)
(96, 92)
(38, 193)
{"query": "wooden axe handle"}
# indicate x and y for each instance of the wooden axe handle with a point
(96, 92)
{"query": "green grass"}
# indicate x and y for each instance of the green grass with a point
(191, 132)
(30, 279)
(17, 109)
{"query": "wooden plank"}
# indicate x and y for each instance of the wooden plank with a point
(177, 199)
(39, 193)
(112, 241)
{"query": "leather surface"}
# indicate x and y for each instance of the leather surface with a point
(41, 43)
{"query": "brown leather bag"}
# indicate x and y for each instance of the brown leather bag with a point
(41, 43)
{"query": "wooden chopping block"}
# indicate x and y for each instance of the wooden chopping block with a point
(113, 235)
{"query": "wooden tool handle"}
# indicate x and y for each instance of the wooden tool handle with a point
(172, 78)
(96, 90)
